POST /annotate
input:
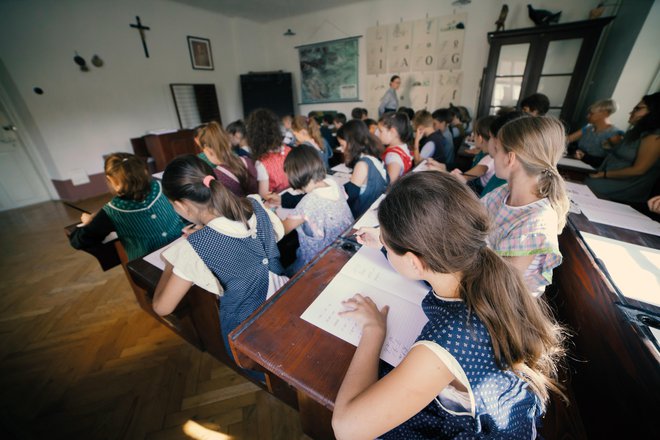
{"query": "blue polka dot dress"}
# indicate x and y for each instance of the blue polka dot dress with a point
(242, 266)
(502, 404)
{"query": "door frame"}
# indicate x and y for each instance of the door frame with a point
(25, 139)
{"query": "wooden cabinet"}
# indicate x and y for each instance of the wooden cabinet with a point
(164, 147)
(553, 60)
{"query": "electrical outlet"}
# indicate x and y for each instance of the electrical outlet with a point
(79, 177)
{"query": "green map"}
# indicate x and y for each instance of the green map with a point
(329, 71)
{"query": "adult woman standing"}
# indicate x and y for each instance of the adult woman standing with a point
(389, 102)
(629, 172)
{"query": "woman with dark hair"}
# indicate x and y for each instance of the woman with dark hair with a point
(362, 151)
(629, 172)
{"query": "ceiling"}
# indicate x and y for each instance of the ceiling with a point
(265, 10)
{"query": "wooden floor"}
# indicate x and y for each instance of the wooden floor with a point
(79, 359)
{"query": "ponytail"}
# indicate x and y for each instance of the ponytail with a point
(419, 215)
(190, 178)
(214, 137)
(552, 186)
(539, 143)
(533, 347)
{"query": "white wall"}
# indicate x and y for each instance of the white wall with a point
(641, 68)
(356, 19)
(82, 116)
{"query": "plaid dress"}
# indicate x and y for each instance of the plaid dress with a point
(525, 230)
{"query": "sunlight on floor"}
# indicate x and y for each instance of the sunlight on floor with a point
(198, 432)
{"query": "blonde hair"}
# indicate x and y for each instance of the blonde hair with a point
(608, 105)
(215, 138)
(419, 215)
(538, 143)
(310, 125)
(422, 119)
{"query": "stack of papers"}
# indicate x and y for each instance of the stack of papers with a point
(574, 163)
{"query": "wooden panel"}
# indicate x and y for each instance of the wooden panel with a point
(615, 369)
(165, 147)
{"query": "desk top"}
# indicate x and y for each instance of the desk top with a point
(303, 355)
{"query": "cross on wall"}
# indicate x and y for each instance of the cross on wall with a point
(141, 29)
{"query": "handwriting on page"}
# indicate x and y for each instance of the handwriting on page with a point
(369, 274)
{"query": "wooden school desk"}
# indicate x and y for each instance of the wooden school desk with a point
(276, 340)
(613, 359)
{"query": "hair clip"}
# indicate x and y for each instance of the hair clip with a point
(207, 181)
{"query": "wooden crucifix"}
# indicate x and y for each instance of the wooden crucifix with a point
(141, 29)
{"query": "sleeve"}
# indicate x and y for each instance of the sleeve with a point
(188, 266)
(427, 150)
(448, 359)
(393, 158)
(262, 174)
(93, 233)
(278, 227)
(486, 161)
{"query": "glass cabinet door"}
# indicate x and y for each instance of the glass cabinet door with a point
(509, 76)
(558, 68)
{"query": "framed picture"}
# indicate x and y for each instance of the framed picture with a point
(200, 53)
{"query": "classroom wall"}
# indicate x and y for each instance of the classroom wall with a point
(84, 115)
(355, 19)
(640, 69)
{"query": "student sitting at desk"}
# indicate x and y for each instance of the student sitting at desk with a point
(307, 132)
(238, 138)
(232, 251)
(139, 213)
(395, 132)
(265, 139)
(362, 151)
(236, 173)
(322, 214)
(430, 141)
(530, 211)
(484, 364)
(629, 172)
(483, 167)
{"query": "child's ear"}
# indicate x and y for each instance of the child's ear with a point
(416, 264)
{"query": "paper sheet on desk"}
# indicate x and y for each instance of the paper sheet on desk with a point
(422, 166)
(154, 257)
(369, 273)
(158, 176)
(634, 269)
(617, 214)
(370, 217)
(340, 178)
(341, 168)
(574, 163)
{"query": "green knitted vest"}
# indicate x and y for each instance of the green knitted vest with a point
(146, 225)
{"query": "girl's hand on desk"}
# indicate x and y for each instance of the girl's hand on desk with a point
(86, 218)
(456, 172)
(273, 200)
(654, 204)
(598, 175)
(435, 165)
(579, 154)
(369, 237)
(366, 313)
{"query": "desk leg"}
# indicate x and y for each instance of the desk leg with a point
(316, 420)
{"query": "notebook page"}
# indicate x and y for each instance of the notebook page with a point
(369, 273)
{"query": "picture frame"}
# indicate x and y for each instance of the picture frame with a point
(201, 56)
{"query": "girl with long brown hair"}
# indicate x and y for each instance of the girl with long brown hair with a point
(485, 362)
(238, 174)
(232, 251)
(530, 211)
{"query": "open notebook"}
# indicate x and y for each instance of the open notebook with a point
(369, 273)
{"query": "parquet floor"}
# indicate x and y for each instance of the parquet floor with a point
(80, 360)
